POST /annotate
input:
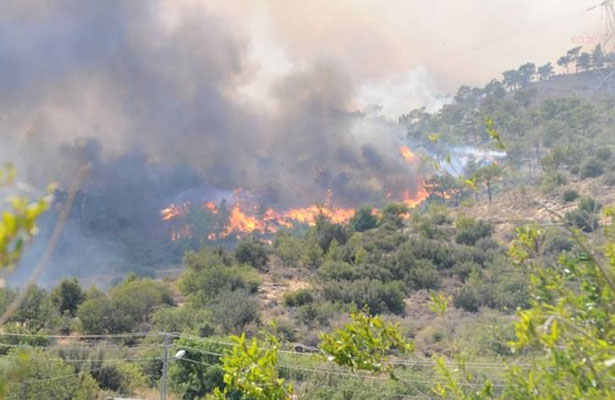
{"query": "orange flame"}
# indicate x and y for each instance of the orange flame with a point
(241, 222)
(211, 206)
(407, 154)
(413, 200)
(245, 219)
(308, 215)
(173, 211)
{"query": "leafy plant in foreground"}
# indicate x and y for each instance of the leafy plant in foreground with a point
(570, 326)
(252, 371)
(365, 344)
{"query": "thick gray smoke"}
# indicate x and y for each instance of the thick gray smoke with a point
(114, 71)
(114, 84)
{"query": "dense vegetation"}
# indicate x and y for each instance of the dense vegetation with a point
(550, 137)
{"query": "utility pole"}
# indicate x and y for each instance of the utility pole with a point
(165, 367)
(608, 13)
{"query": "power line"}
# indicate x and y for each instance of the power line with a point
(328, 371)
(67, 376)
(396, 361)
(86, 360)
(385, 397)
(497, 367)
(427, 380)
(405, 362)
(102, 336)
(374, 377)
(33, 381)
(55, 378)
(73, 347)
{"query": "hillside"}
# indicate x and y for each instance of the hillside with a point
(531, 205)
(361, 281)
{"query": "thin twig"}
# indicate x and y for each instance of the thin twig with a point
(53, 241)
(583, 246)
(23, 138)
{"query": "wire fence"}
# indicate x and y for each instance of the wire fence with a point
(422, 371)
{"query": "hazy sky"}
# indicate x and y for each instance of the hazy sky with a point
(402, 51)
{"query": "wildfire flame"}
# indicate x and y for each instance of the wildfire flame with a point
(413, 200)
(174, 211)
(242, 221)
(407, 154)
(246, 217)
(211, 206)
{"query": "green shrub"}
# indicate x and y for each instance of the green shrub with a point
(335, 252)
(392, 215)
(338, 271)
(194, 380)
(179, 319)
(363, 220)
(551, 180)
(379, 297)
(423, 275)
(589, 204)
(123, 308)
(136, 299)
(288, 249)
(441, 254)
(120, 377)
(36, 311)
(464, 269)
(499, 286)
(470, 230)
(206, 258)
(489, 336)
(437, 335)
(467, 299)
(591, 168)
(588, 222)
(67, 296)
(557, 242)
(204, 285)
(326, 232)
(96, 318)
(570, 195)
(234, 310)
(251, 252)
(284, 330)
(603, 154)
(341, 271)
(511, 292)
(312, 254)
(376, 271)
(321, 313)
(470, 253)
(487, 244)
(45, 376)
(298, 298)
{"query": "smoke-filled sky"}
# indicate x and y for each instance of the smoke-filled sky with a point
(253, 92)
(404, 53)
